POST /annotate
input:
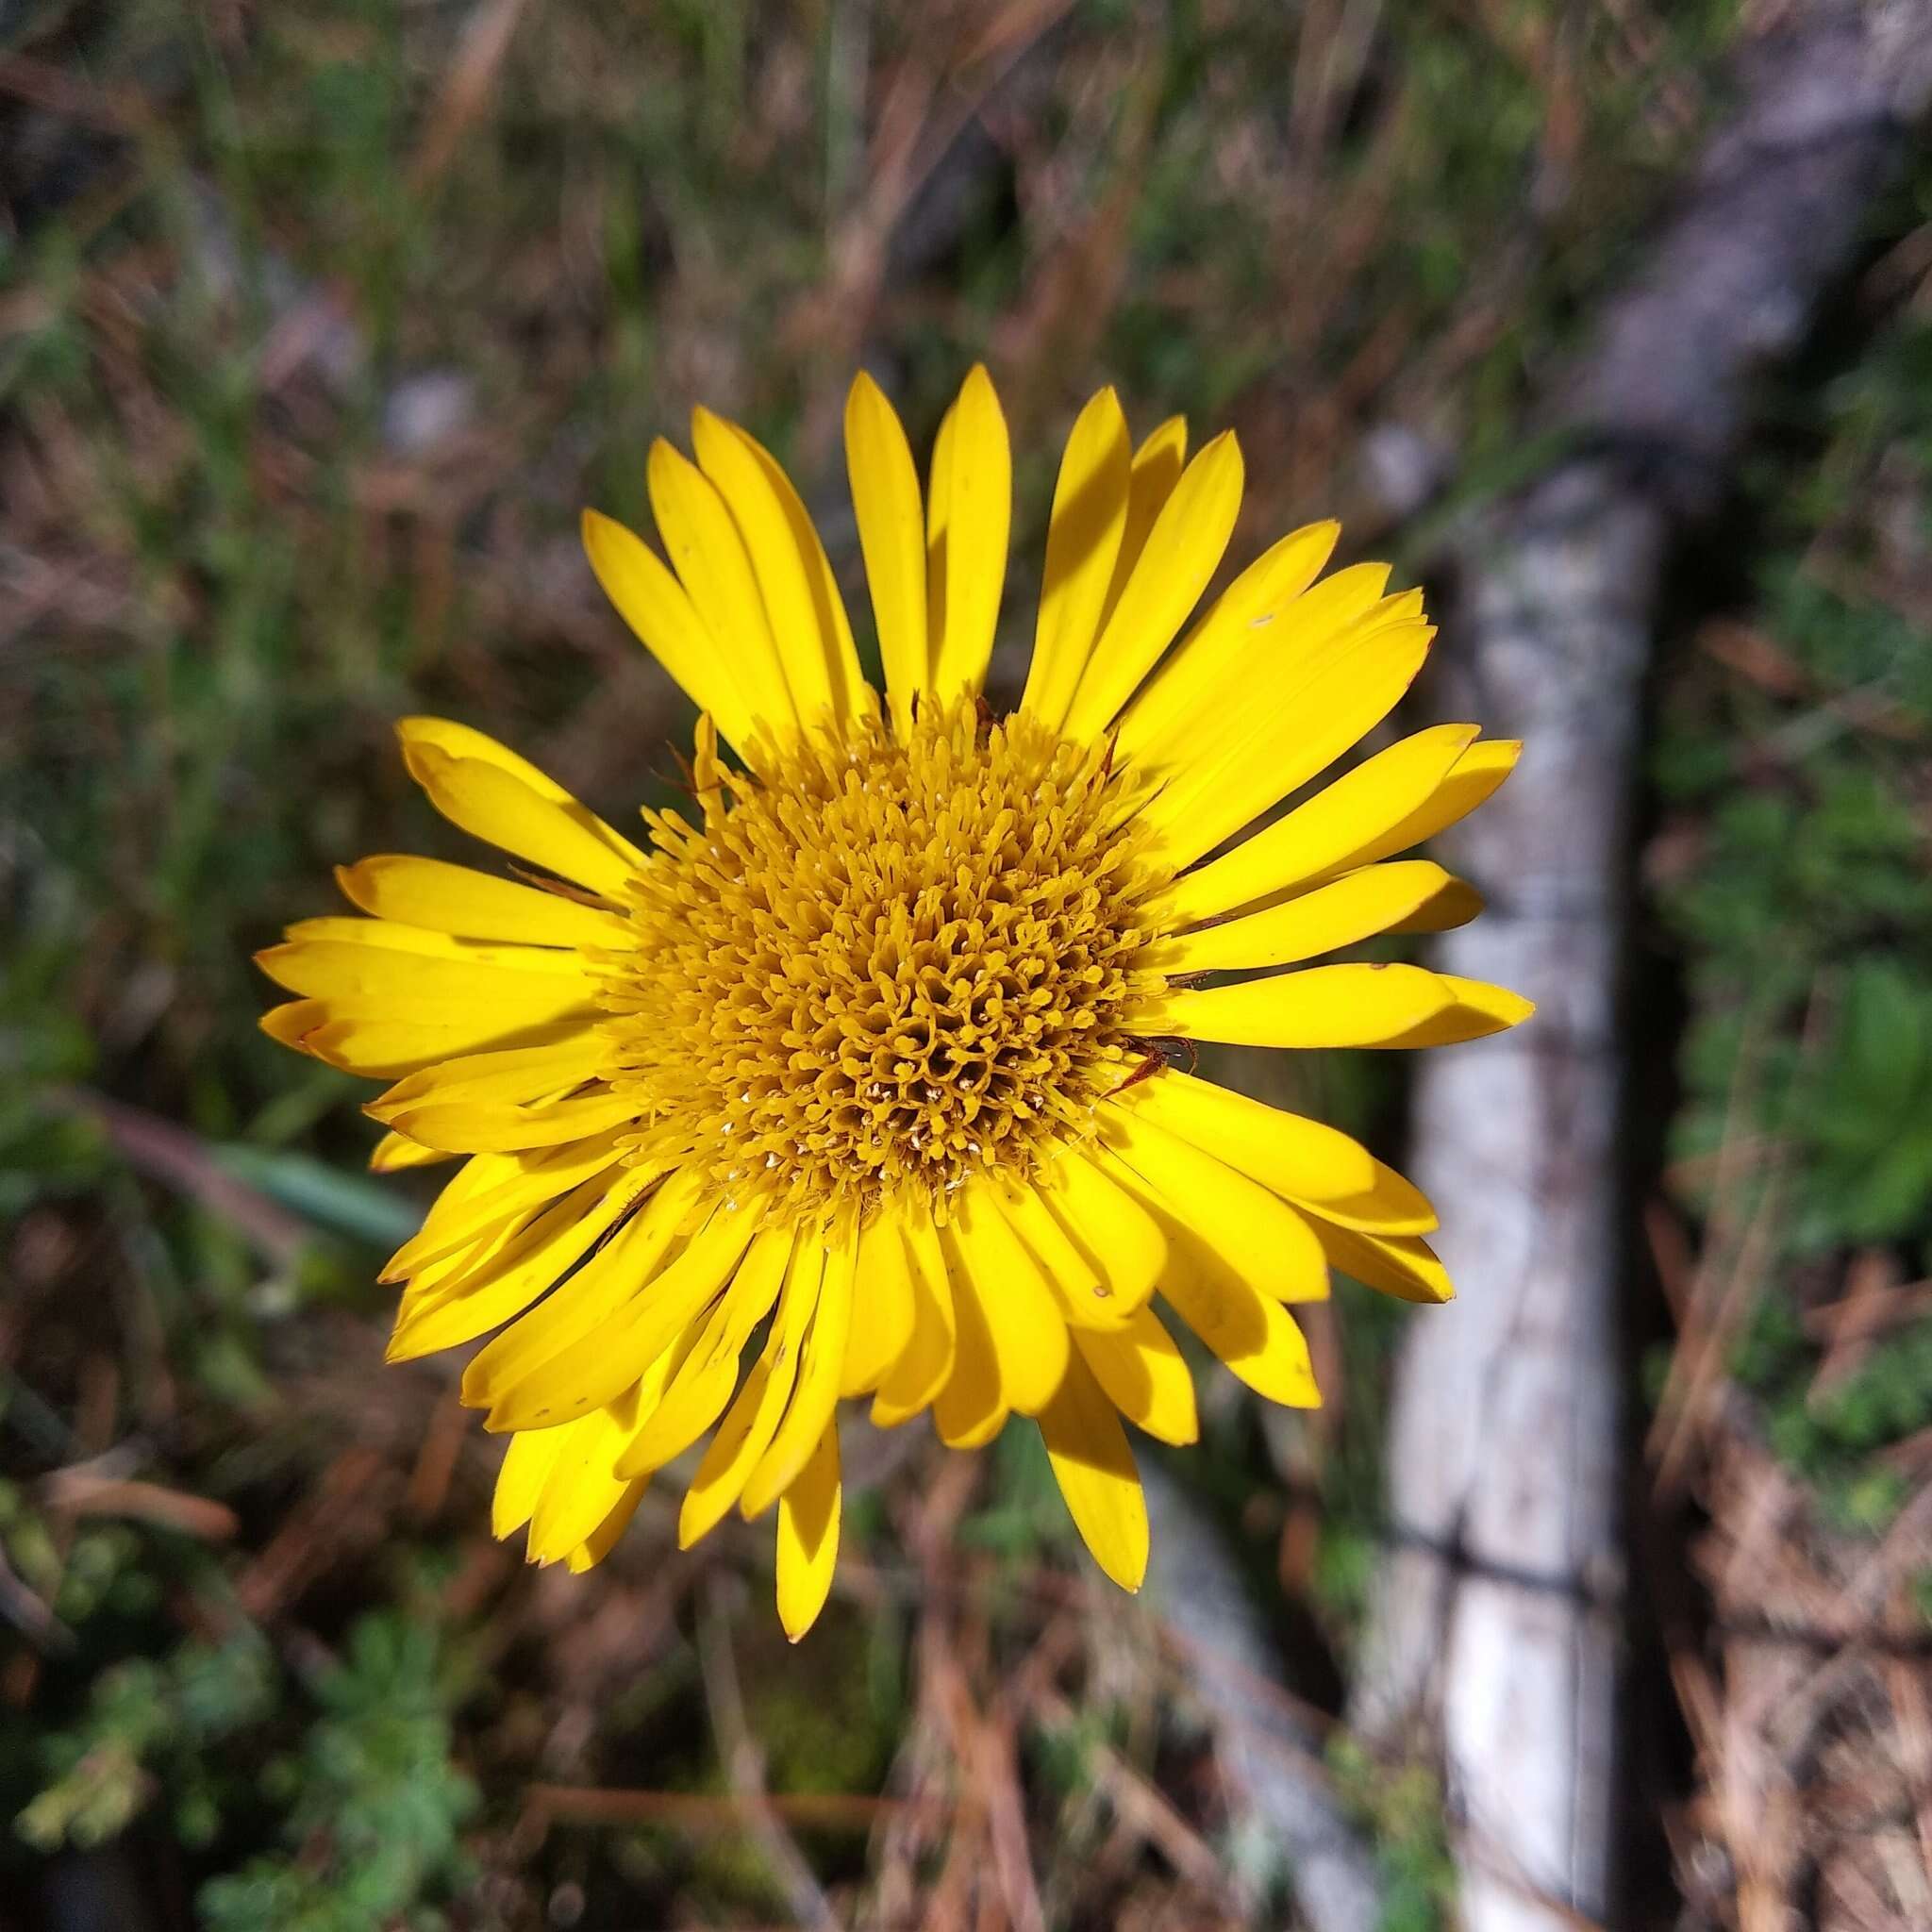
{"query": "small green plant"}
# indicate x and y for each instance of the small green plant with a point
(1797, 757)
(366, 1801)
(375, 1807)
(1835, 1437)
(1401, 1808)
(1864, 1118)
(151, 1725)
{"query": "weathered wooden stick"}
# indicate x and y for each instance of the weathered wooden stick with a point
(1283, 1808)
(1495, 1630)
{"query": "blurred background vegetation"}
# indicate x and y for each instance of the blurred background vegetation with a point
(318, 323)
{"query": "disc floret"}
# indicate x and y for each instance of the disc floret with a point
(881, 963)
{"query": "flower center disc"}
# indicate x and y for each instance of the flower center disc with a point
(881, 963)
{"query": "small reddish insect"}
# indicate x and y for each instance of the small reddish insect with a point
(1159, 1054)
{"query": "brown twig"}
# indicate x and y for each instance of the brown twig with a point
(744, 1765)
(708, 1811)
(465, 88)
(182, 1161)
(76, 1493)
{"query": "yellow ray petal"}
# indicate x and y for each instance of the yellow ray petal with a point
(852, 695)
(476, 1126)
(703, 546)
(1473, 778)
(968, 515)
(477, 1257)
(586, 1302)
(520, 1075)
(1357, 906)
(702, 1382)
(483, 1126)
(1257, 1234)
(1183, 551)
(465, 742)
(584, 1506)
(735, 692)
(1284, 642)
(1083, 539)
(1146, 1377)
(452, 1218)
(883, 1308)
(1251, 1332)
(395, 1152)
(472, 905)
(970, 1410)
(1114, 1233)
(292, 1023)
(753, 1418)
(1300, 1158)
(1400, 1265)
(891, 534)
(418, 943)
(370, 1036)
(926, 1364)
(1255, 1336)
(803, 629)
(490, 1189)
(815, 1396)
(618, 1235)
(1085, 1294)
(1094, 1468)
(527, 1460)
(1235, 632)
(387, 939)
(476, 1260)
(809, 1538)
(417, 1011)
(414, 986)
(1455, 904)
(504, 1276)
(581, 1491)
(497, 807)
(603, 1540)
(611, 1357)
(1474, 1010)
(1321, 1006)
(1157, 465)
(1027, 1324)
(1302, 729)
(1338, 826)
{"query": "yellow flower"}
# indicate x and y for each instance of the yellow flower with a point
(870, 1052)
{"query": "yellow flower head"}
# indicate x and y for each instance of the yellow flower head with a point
(869, 1052)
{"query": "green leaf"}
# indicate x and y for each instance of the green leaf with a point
(347, 1204)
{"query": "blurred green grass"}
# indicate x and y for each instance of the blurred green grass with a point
(1793, 764)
